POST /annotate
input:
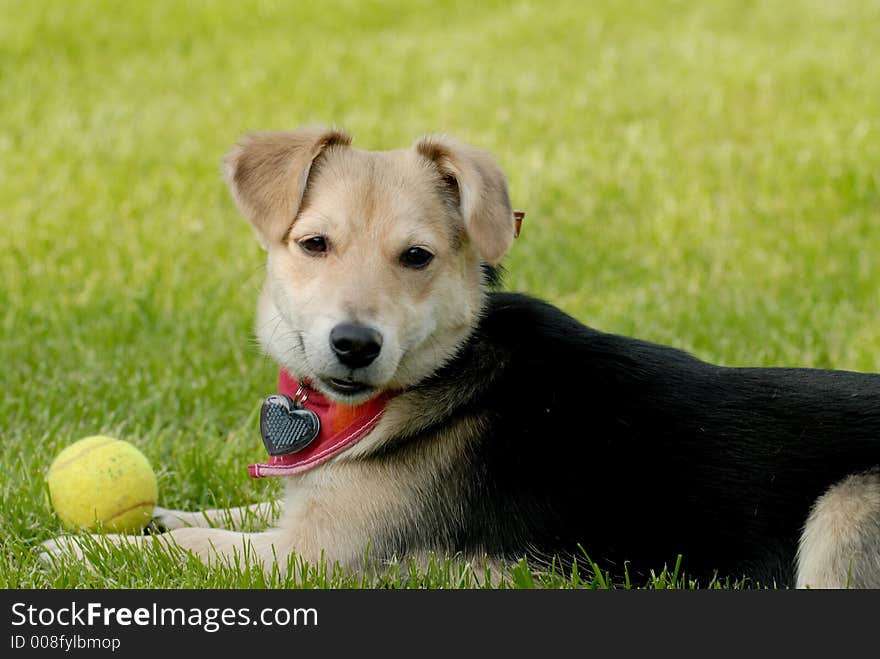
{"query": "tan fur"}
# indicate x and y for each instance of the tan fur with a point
(341, 507)
(840, 545)
(445, 197)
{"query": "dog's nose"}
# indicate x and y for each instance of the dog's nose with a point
(355, 345)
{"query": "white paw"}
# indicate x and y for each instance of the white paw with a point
(88, 549)
(65, 547)
(177, 519)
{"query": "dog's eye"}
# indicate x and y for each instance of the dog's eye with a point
(416, 257)
(314, 246)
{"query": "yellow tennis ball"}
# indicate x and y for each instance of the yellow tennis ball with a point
(102, 483)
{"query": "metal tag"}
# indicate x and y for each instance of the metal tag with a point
(286, 426)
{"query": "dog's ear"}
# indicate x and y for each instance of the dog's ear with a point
(481, 188)
(267, 175)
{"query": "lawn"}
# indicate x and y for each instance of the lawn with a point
(705, 175)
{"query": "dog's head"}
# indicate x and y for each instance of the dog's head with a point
(374, 274)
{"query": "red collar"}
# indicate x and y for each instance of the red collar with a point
(341, 427)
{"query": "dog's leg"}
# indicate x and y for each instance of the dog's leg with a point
(208, 544)
(840, 545)
(232, 518)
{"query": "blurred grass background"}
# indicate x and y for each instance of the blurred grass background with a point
(705, 175)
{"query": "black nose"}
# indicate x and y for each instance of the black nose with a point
(355, 345)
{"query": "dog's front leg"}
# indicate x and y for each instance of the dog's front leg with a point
(210, 545)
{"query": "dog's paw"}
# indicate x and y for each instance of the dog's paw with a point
(87, 549)
(65, 547)
(168, 520)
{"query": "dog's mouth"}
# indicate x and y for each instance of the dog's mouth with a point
(346, 388)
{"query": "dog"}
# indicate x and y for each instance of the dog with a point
(493, 426)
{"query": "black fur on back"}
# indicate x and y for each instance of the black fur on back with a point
(638, 452)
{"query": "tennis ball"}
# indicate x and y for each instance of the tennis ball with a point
(102, 483)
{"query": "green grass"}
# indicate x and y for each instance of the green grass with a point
(705, 175)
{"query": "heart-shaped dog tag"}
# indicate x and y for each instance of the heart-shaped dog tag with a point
(285, 426)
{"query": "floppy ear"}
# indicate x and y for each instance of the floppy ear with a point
(481, 188)
(267, 175)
